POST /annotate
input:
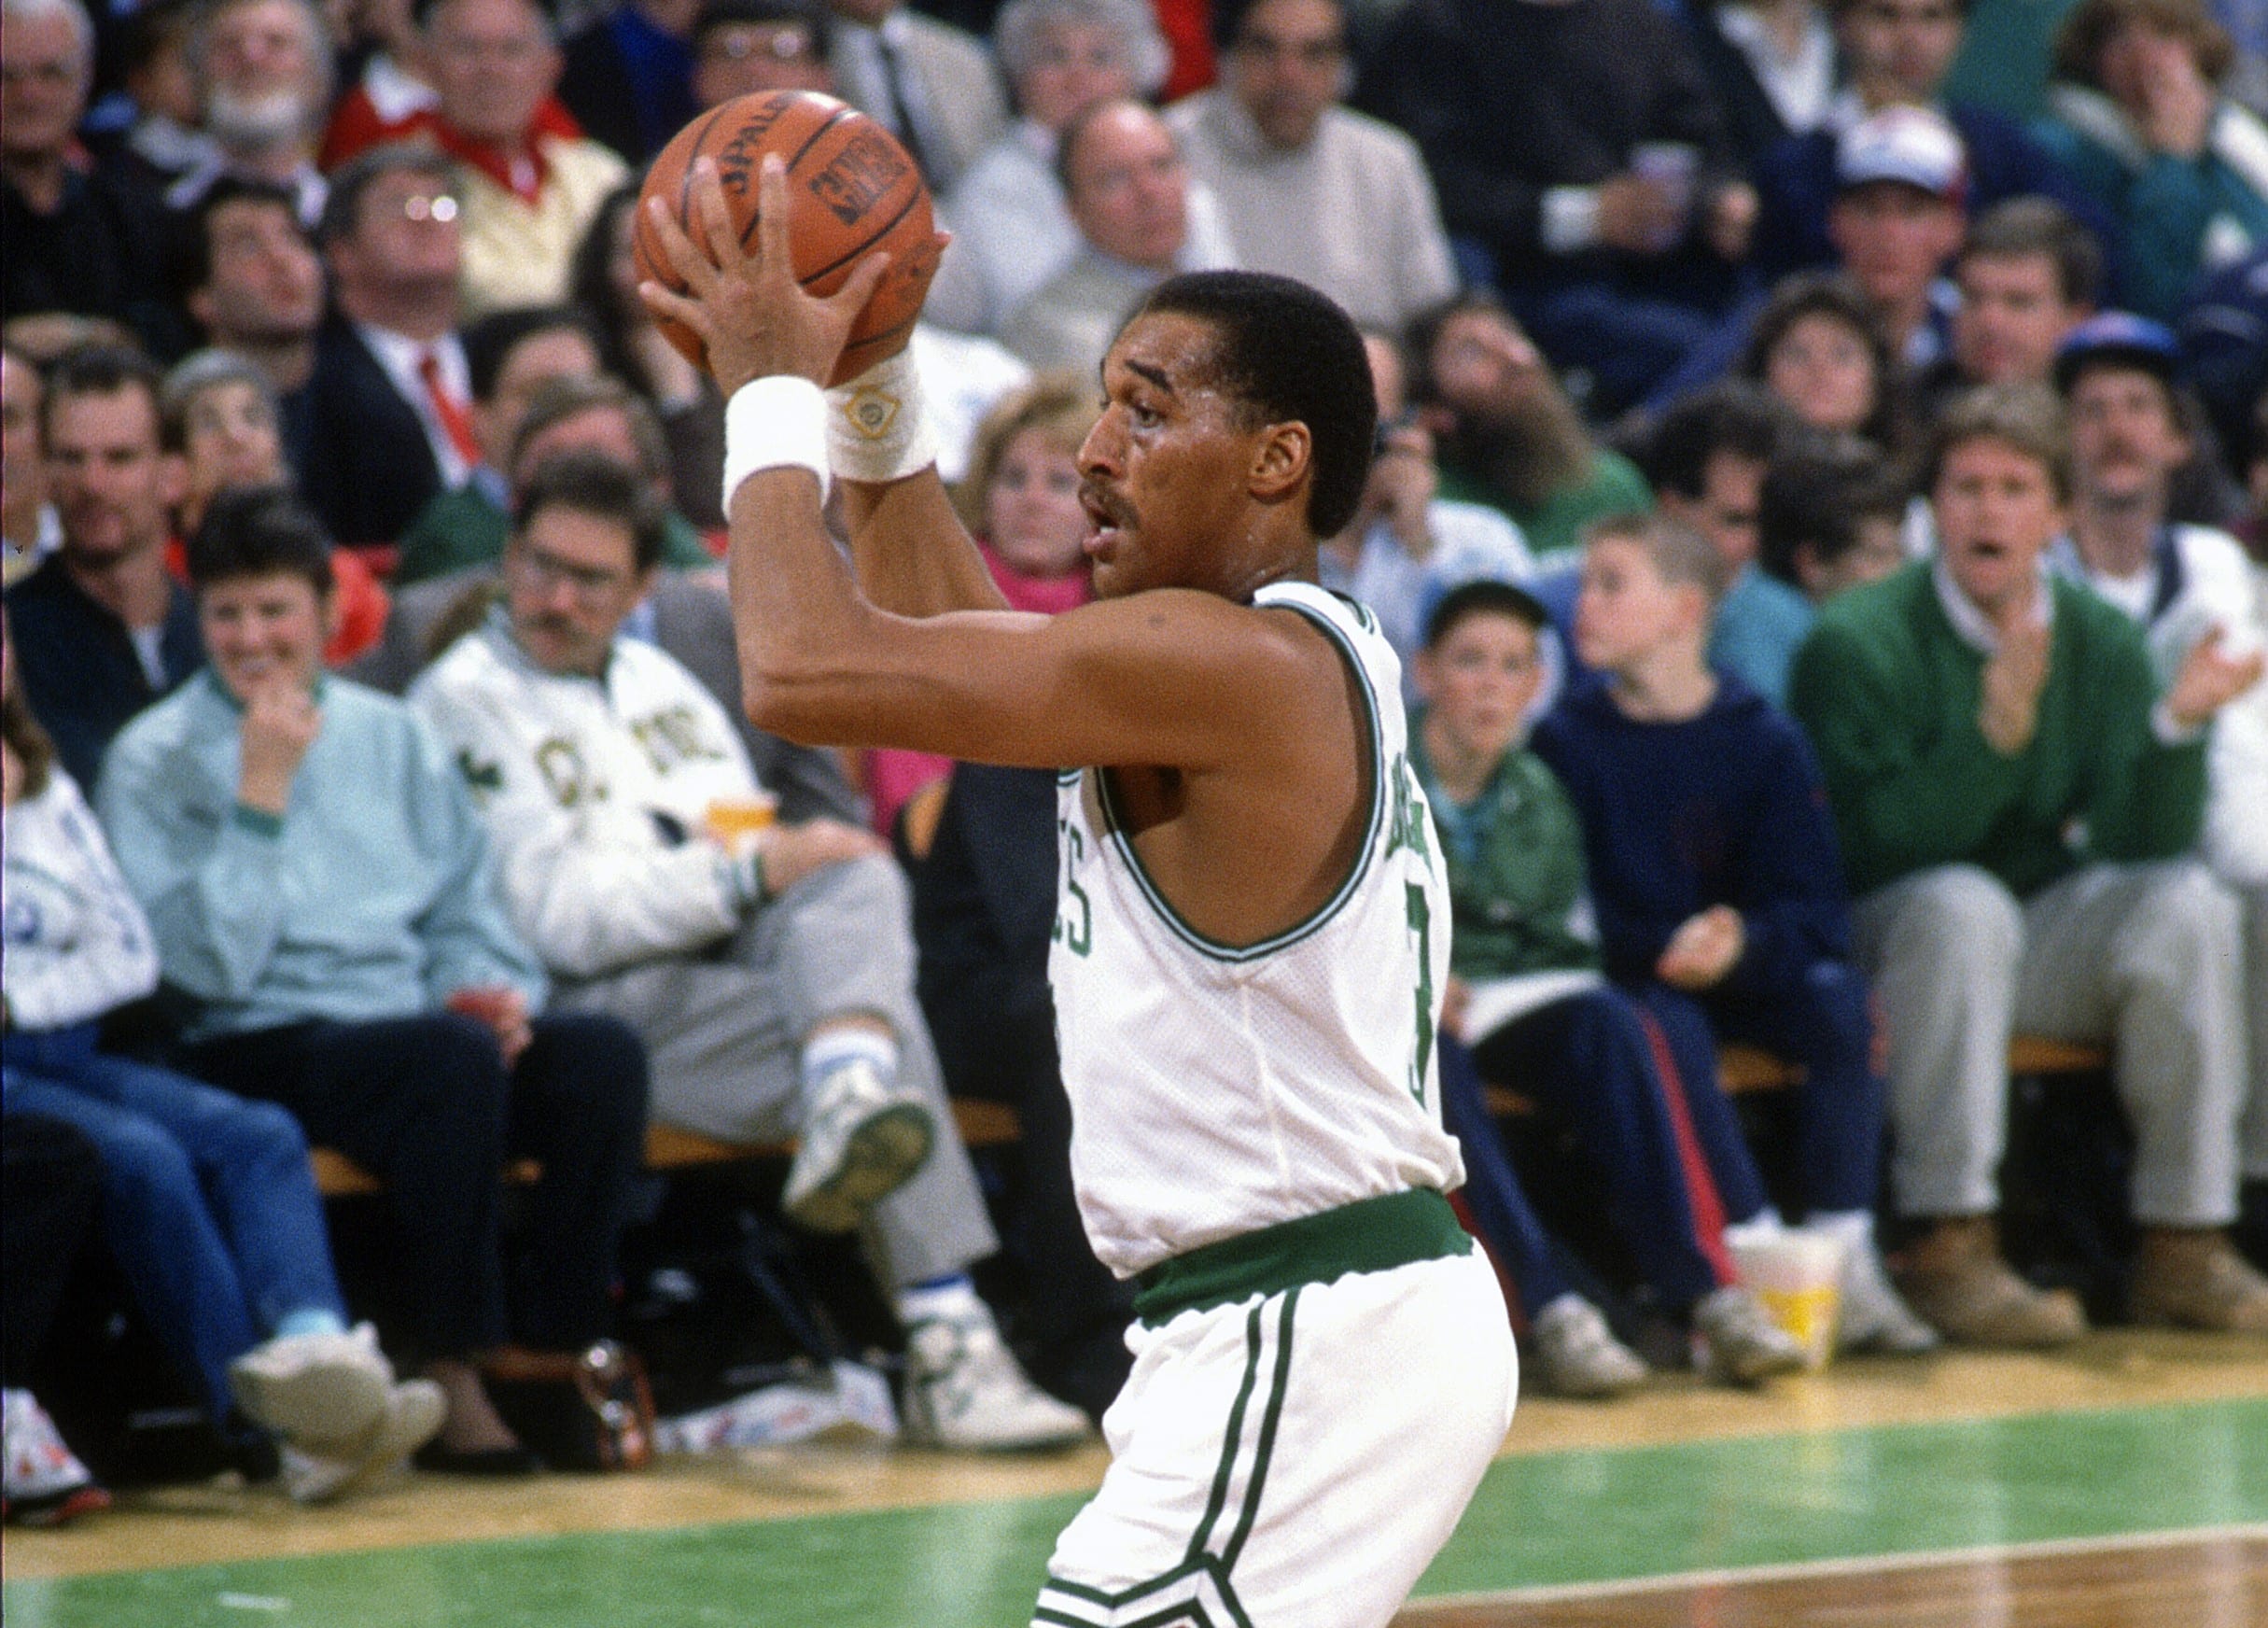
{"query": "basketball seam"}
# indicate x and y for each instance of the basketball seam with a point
(676, 284)
(810, 141)
(888, 227)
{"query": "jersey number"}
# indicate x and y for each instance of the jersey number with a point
(1421, 923)
(1074, 926)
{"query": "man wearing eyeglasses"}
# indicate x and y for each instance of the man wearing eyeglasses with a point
(769, 966)
(392, 396)
(1281, 154)
(741, 47)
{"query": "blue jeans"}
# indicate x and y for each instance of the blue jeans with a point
(208, 1205)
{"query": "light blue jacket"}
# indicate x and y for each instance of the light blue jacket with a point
(373, 898)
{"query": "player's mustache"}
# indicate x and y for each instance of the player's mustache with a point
(1099, 499)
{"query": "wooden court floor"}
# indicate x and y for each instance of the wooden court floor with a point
(2125, 1482)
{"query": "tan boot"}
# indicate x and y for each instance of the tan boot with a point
(2191, 1277)
(1955, 1279)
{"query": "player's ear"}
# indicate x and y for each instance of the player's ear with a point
(1282, 461)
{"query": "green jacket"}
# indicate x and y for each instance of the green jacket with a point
(464, 528)
(1519, 899)
(1889, 691)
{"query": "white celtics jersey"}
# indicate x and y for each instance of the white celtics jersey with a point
(1216, 1090)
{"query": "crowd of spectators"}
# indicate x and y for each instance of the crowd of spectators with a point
(1820, 500)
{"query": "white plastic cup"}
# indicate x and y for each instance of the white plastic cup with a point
(1798, 1276)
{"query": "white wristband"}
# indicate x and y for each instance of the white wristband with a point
(876, 429)
(778, 422)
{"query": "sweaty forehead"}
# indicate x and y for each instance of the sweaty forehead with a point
(1173, 351)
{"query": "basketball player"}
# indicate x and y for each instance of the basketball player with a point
(1252, 942)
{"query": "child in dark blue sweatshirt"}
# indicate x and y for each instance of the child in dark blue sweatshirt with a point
(1718, 890)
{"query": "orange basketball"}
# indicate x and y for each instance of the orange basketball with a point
(851, 190)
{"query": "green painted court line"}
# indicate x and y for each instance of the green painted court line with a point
(1538, 1521)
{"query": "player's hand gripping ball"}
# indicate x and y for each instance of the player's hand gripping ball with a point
(851, 191)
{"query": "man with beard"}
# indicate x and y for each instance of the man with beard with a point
(263, 77)
(2186, 585)
(101, 630)
(1507, 435)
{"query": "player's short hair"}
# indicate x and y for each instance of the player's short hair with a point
(1483, 596)
(1820, 491)
(258, 531)
(1734, 415)
(2019, 228)
(1290, 355)
(1679, 552)
(591, 483)
(2027, 417)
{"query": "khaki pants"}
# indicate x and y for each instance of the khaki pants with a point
(2145, 958)
(724, 1030)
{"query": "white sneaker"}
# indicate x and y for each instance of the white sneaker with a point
(323, 1387)
(1872, 1317)
(315, 1473)
(963, 1390)
(1577, 1355)
(861, 1138)
(1740, 1344)
(44, 1483)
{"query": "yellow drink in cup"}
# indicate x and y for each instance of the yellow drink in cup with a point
(1798, 1277)
(735, 823)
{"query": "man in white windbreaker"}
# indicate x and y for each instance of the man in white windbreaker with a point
(769, 967)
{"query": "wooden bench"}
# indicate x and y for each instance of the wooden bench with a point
(667, 1148)
(1740, 1068)
(1750, 1068)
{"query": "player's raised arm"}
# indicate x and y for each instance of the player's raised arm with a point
(1188, 488)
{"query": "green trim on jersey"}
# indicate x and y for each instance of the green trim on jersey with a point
(1366, 1235)
(1115, 834)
